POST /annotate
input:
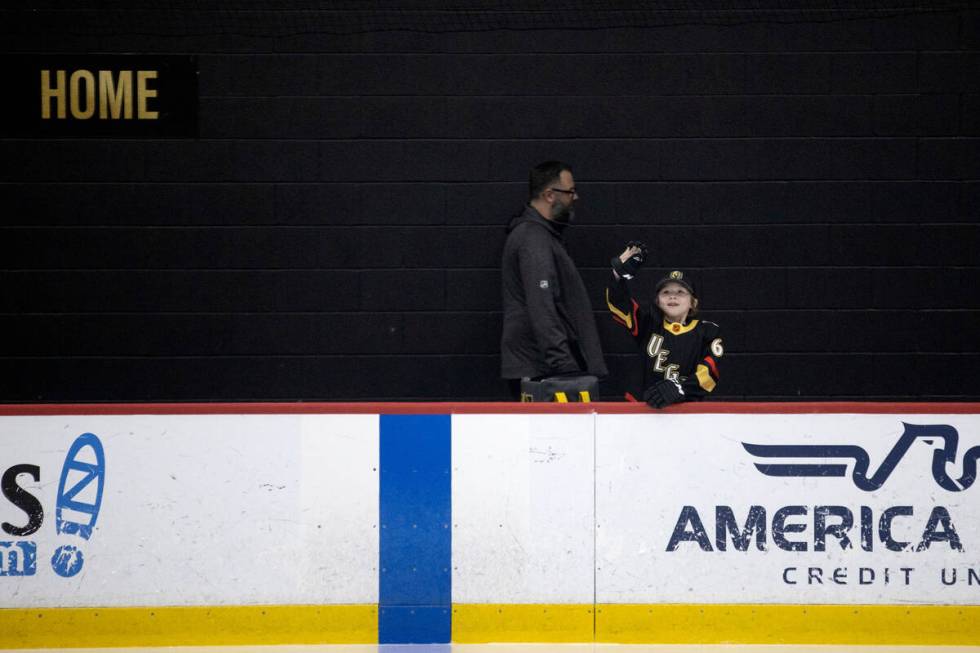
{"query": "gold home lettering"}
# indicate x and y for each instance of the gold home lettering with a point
(63, 94)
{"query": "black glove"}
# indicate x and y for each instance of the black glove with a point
(663, 393)
(633, 264)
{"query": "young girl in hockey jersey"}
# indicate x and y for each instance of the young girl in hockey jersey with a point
(680, 352)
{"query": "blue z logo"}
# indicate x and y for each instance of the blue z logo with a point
(941, 435)
(93, 471)
(79, 500)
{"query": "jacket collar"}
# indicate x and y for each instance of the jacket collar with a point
(531, 215)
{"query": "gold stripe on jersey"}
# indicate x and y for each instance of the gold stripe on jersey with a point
(704, 378)
(625, 317)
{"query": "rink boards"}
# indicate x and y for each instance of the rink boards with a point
(245, 524)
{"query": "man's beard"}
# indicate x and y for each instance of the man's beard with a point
(564, 213)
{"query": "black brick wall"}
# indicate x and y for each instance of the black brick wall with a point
(334, 232)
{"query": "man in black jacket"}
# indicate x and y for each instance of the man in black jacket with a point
(548, 325)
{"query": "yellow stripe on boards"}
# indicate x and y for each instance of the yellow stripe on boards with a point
(478, 624)
(789, 624)
(935, 625)
(188, 626)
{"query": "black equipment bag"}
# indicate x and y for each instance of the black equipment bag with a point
(562, 389)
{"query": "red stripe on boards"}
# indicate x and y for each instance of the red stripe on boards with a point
(449, 408)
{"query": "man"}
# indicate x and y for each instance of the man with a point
(548, 325)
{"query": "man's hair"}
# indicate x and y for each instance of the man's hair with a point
(545, 175)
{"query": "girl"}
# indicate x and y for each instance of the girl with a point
(681, 351)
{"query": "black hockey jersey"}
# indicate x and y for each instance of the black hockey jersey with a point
(687, 353)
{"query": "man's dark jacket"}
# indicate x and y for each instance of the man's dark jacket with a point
(549, 327)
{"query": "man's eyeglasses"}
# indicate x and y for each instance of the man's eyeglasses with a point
(570, 191)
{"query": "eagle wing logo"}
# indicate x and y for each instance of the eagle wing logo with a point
(838, 457)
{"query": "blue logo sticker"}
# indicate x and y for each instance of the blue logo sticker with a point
(67, 560)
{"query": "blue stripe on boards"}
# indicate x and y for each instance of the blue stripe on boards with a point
(416, 537)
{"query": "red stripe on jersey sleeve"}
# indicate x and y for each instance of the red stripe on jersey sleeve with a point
(712, 366)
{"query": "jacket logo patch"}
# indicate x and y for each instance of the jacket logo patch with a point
(543, 284)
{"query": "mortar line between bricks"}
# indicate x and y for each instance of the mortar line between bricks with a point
(510, 140)
(493, 227)
(228, 270)
(627, 96)
(437, 355)
(466, 312)
(457, 53)
(806, 180)
(483, 182)
(557, 53)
